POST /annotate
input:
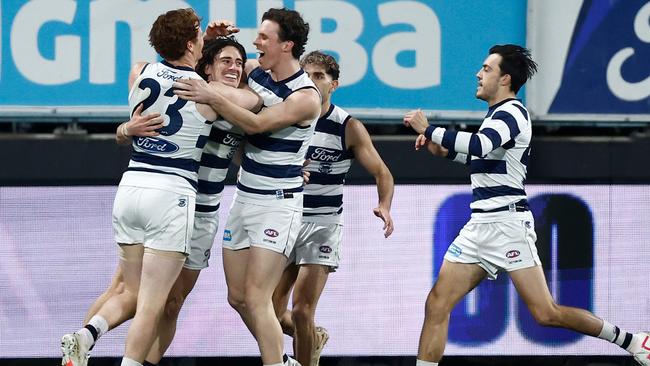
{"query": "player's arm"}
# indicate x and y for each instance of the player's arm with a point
(136, 70)
(439, 150)
(301, 106)
(498, 131)
(359, 142)
(244, 96)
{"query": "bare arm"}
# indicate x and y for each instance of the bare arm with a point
(358, 140)
(300, 107)
(244, 96)
(136, 70)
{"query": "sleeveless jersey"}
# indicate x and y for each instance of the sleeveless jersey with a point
(171, 160)
(330, 162)
(272, 163)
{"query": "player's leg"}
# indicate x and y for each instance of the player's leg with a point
(264, 270)
(115, 288)
(167, 325)
(113, 311)
(235, 265)
(454, 281)
(160, 270)
(309, 286)
(531, 286)
(281, 297)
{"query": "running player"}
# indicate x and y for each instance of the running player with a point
(265, 217)
(338, 140)
(500, 234)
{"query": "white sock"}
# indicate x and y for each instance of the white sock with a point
(86, 340)
(276, 364)
(100, 324)
(129, 362)
(613, 334)
(419, 362)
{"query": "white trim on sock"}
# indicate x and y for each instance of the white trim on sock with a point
(129, 362)
(100, 324)
(419, 362)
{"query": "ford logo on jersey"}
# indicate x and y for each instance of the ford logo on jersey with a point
(156, 145)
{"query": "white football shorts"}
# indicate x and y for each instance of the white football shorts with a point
(318, 243)
(205, 229)
(496, 246)
(156, 218)
(271, 227)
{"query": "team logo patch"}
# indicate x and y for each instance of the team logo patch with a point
(182, 202)
(512, 254)
(454, 250)
(270, 232)
(227, 235)
(325, 249)
(156, 145)
(325, 168)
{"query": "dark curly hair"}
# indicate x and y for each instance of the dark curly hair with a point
(292, 28)
(324, 60)
(517, 62)
(171, 31)
(212, 49)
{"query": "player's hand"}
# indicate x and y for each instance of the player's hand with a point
(305, 173)
(433, 148)
(196, 90)
(219, 28)
(142, 126)
(416, 120)
(384, 215)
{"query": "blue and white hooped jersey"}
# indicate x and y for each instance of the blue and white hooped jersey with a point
(497, 154)
(330, 162)
(272, 162)
(223, 142)
(170, 160)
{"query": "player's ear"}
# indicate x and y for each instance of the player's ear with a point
(334, 85)
(506, 80)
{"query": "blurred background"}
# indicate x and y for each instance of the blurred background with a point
(63, 90)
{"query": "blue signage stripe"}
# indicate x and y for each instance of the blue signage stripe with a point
(213, 161)
(323, 178)
(310, 201)
(208, 187)
(488, 166)
(190, 165)
(206, 208)
(274, 144)
(483, 193)
(272, 171)
(193, 183)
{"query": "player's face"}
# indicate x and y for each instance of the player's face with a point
(324, 82)
(226, 67)
(268, 44)
(489, 78)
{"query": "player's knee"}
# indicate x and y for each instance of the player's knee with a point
(437, 308)
(302, 313)
(173, 306)
(237, 302)
(546, 316)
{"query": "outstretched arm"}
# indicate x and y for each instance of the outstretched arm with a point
(358, 140)
(438, 150)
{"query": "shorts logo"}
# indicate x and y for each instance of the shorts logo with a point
(270, 232)
(207, 255)
(182, 202)
(454, 250)
(325, 249)
(227, 236)
(528, 224)
(513, 254)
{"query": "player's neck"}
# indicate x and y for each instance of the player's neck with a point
(185, 61)
(500, 97)
(284, 69)
(324, 108)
